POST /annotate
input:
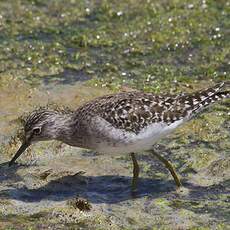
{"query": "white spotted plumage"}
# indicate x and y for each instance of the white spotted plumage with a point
(124, 122)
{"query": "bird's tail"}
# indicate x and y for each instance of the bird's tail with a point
(196, 102)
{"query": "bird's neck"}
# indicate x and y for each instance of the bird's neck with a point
(70, 130)
(63, 127)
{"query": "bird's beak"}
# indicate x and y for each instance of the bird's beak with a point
(22, 149)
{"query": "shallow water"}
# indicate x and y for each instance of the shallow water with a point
(68, 52)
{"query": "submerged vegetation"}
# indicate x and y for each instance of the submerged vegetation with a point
(150, 45)
(69, 51)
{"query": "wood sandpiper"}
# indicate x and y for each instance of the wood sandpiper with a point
(127, 122)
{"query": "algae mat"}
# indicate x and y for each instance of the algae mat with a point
(67, 52)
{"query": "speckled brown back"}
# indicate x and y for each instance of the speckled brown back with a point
(133, 111)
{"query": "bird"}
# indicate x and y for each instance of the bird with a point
(121, 123)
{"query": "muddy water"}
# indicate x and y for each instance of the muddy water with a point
(68, 52)
(43, 188)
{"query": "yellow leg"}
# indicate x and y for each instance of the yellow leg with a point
(169, 166)
(136, 171)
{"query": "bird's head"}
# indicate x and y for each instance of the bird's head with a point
(40, 125)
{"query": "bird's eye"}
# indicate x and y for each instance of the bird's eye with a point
(37, 131)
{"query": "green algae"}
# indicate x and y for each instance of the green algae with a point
(47, 47)
(117, 42)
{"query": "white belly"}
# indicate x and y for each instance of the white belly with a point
(110, 140)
